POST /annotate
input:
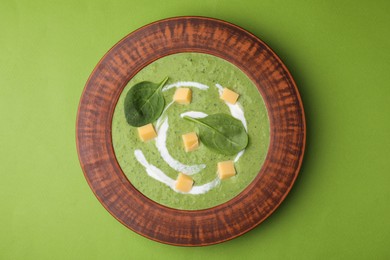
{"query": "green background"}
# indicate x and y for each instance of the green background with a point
(338, 53)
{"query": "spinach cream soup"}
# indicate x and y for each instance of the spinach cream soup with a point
(153, 166)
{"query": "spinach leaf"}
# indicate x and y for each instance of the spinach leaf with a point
(221, 133)
(144, 103)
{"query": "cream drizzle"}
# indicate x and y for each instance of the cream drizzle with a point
(161, 141)
(152, 170)
(158, 123)
(185, 84)
(162, 125)
(193, 114)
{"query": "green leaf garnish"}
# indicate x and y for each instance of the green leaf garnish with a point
(144, 103)
(221, 133)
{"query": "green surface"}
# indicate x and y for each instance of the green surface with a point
(204, 69)
(338, 52)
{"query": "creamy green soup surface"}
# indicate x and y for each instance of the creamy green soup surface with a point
(153, 166)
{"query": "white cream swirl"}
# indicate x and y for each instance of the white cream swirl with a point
(161, 144)
(162, 128)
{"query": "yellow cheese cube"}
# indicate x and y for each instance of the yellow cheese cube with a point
(229, 96)
(190, 141)
(183, 96)
(184, 183)
(226, 170)
(146, 132)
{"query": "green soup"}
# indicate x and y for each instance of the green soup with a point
(205, 75)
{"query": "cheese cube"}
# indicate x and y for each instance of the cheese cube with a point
(146, 132)
(229, 96)
(226, 170)
(190, 141)
(183, 96)
(184, 183)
